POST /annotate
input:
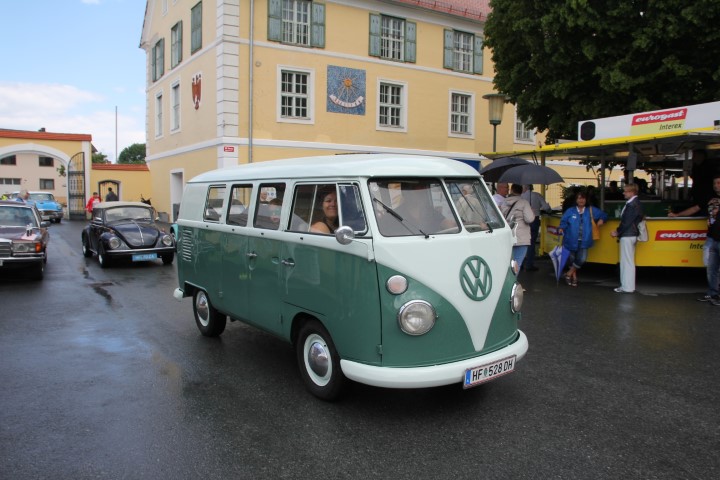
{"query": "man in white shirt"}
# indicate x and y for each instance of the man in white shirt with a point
(501, 191)
(538, 205)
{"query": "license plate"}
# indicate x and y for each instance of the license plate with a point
(489, 371)
(141, 257)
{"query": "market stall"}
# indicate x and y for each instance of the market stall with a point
(667, 159)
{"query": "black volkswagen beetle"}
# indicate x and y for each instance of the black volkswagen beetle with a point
(126, 230)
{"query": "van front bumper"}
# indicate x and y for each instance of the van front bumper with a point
(430, 376)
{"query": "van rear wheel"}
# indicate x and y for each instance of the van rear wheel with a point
(209, 321)
(319, 362)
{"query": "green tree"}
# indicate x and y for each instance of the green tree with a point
(99, 157)
(569, 60)
(135, 153)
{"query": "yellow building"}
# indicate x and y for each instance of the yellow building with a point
(237, 81)
(46, 161)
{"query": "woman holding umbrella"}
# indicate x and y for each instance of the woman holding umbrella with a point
(576, 229)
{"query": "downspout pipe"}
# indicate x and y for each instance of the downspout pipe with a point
(251, 61)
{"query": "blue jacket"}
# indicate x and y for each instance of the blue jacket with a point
(570, 225)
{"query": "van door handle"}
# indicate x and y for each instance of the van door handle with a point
(288, 263)
(251, 255)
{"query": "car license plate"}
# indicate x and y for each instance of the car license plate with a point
(141, 257)
(489, 371)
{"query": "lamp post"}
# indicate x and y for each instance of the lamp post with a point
(497, 102)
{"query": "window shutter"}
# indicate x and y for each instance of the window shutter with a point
(478, 55)
(275, 20)
(161, 60)
(153, 66)
(375, 24)
(410, 41)
(317, 29)
(448, 49)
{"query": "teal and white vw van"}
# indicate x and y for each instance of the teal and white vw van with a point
(388, 270)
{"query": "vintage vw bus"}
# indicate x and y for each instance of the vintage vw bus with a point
(388, 270)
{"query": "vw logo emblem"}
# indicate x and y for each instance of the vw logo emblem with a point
(476, 278)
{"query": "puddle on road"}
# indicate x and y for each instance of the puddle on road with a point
(99, 288)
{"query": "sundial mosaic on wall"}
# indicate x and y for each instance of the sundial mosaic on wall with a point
(345, 90)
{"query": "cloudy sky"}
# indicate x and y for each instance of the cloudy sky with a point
(66, 65)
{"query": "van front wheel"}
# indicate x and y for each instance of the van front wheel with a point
(210, 322)
(319, 362)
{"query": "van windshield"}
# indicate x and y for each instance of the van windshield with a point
(474, 205)
(405, 207)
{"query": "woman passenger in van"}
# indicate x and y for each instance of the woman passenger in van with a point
(329, 218)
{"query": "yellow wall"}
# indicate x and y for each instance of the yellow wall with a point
(218, 133)
(132, 182)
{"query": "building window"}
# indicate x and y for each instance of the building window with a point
(462, 106)
(175, 99)
(523, 134)
(158, 115)
(297, 22)
(158, 59)
(463, 52)
(47, 184)
(46, 162)
(295, 96)
(9, 181)
(176, 45)
(392, 38)
(9, 160)
(392, 111)
(196, 28)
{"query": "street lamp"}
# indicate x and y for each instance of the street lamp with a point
(497, 102)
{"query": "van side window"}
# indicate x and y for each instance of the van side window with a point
(322, 208)
(239, 201)
(351, 211)
(214, 203)
(269, 205)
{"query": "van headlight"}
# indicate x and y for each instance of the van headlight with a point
(416, 317)
(516, 298)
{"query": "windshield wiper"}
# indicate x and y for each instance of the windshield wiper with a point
(400, 219)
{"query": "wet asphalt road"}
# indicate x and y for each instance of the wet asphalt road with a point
(104, 375)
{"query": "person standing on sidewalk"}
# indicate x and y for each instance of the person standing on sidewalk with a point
(627, 234)
(538, 205)
(519, 212)
(711, 249)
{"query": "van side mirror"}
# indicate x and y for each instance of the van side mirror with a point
(344, 235)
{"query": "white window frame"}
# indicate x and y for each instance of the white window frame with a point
(470, 115)
(309, 96)
(392, 38)
(296, 19)
(463, 51)
(175, 102)
(403, 105)
(521, 133)
(159, 114)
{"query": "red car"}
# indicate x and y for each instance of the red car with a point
(23, 238)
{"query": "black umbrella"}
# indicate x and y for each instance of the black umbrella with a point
(531, 174)
(493, 171)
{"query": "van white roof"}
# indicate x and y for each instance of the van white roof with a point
(339, 166)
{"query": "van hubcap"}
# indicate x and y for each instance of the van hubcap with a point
(318, 357)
